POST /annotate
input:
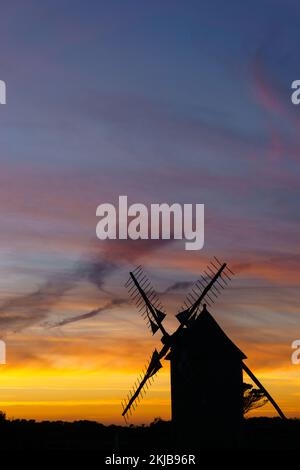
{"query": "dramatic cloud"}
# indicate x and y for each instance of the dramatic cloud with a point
(25, 310)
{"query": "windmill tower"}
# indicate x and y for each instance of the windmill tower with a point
(206, 366)
(206, 369)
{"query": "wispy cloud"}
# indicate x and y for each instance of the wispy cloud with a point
(22, 311)
(84, 316)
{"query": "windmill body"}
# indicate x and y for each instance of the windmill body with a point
(206, 385)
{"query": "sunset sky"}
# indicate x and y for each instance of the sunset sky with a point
(162, 101)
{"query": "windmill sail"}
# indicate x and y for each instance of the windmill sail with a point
(143, 384)
(205, 290)
(146, 299)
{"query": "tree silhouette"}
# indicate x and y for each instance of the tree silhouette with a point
(2, 417)
(253, 398)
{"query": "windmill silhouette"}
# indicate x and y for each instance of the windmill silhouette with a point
(206, 366)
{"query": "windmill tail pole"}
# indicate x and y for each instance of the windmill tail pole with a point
(266, 393)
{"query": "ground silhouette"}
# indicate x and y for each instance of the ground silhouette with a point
(19, 434)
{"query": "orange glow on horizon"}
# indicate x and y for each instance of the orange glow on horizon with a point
(80, 394)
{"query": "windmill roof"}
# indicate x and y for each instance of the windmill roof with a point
(206, 338)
